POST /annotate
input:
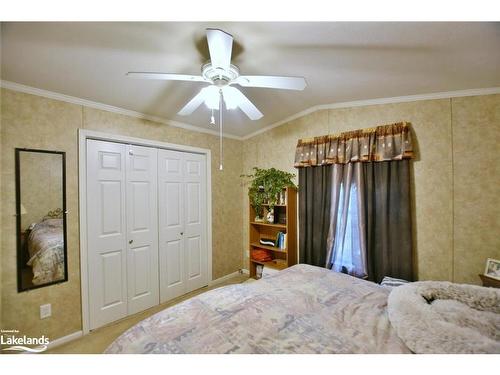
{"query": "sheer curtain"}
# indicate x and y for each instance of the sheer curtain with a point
(346, 243)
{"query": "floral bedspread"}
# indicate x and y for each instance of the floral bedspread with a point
(302, 309)
(46, 249)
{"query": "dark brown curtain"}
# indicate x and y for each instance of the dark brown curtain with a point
(314, 213)
(388, 220)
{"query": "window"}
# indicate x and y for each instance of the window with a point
(347, 251)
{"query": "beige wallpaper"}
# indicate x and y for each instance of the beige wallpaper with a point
(36, 122)
(455, 233)
(1, 212)
(476, 182)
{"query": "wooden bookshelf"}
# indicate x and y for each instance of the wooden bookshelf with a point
(282, 258)
(282, 226)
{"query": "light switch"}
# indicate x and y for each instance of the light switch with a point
(45, 311)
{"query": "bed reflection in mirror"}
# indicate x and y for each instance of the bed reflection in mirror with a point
(41, 218)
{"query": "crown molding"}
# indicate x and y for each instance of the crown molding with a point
(105, 107)
(391, 100)
(356, 103)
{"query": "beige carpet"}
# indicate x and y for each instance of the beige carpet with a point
(98, 340)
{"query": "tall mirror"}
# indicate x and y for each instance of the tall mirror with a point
(41, 218)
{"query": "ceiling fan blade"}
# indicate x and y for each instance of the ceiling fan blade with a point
(194, 103)
(220, 46)
(166, 76)
(272, 82)
(235, 98)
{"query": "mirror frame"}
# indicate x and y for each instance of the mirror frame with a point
(18, 218)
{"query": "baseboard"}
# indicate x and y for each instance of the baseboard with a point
(224, 278)
(64, 339)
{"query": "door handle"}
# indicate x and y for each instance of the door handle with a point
(130, 242)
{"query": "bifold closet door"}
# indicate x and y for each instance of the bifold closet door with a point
(182, 198)
(122, 230)
(142, 228)
(106, 232)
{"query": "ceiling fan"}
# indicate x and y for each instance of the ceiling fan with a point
(221, 76)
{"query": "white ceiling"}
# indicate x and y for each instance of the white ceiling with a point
(340, 61)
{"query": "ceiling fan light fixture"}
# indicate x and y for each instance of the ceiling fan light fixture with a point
(211, 97)
(230, 97)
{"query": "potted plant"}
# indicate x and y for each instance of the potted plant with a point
(265, 188)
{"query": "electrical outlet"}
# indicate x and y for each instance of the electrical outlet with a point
(45, 311)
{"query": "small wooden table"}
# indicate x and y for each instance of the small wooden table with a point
(490, 281)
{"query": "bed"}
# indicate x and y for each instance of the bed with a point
(46, 250)
(302, 309)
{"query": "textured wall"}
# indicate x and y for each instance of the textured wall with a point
(1, 200)
(448, 155)
(36, 122)
(33, 122)
(476, 182)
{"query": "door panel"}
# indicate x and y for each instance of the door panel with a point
(173, 196)
(140, 280)
(140, 209)
(112, 278)
(196, 216)
(194, 259)
(106, 232)
(193, 203)
(171, 224)
(182, 207)
(111, 208)
(142, 228)
(174, 260)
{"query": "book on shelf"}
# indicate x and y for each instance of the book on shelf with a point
(280, 240)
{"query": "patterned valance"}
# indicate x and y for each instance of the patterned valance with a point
(388, 142)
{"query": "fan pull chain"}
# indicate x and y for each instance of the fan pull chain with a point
(212, 118)
(221, 149)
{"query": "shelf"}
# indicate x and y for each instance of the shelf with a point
(267, 247)
(283, 226)
(281, 258)
(272, 264)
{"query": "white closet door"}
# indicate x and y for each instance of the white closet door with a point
(195, 235)
(182, 223)
(171, 224)
(106, 226)
(142, 228)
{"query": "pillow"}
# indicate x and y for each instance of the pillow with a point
(392, 282)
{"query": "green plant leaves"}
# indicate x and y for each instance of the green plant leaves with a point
(265, 187)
